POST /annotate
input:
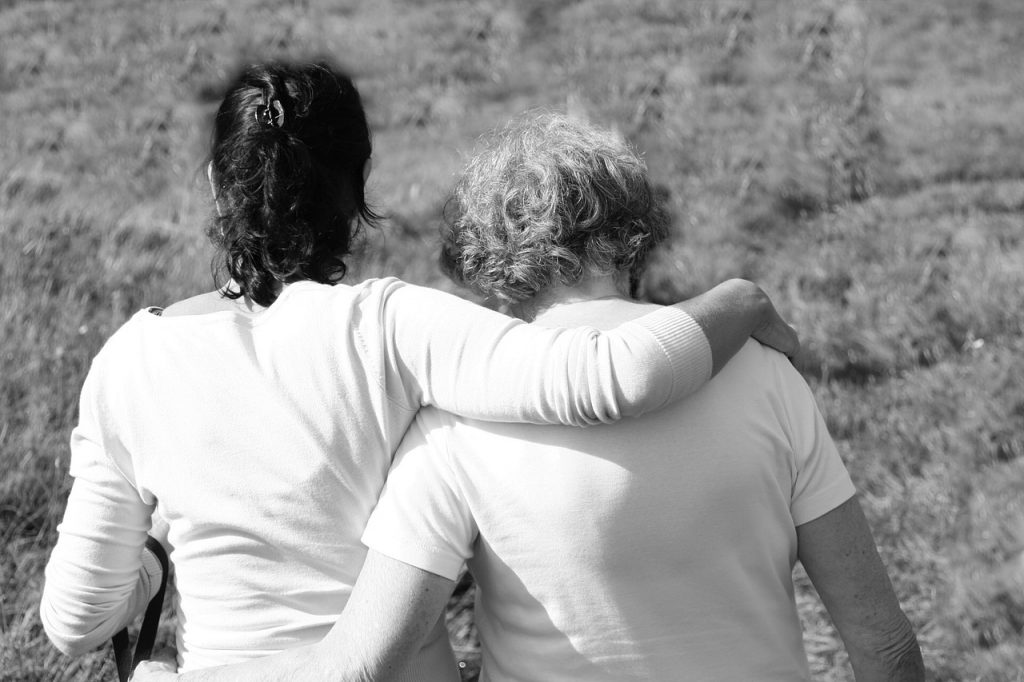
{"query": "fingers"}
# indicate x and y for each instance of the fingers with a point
(777, 334)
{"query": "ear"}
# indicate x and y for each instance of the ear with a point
(213, 187)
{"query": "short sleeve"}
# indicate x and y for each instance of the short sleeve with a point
(820, 479)
(422, 519)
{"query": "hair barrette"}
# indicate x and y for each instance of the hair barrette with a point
(271, 114)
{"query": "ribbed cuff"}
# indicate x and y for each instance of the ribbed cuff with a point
(152, 573)
(686, 346)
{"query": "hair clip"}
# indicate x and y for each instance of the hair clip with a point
(271, 114)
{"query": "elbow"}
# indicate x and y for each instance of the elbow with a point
(902, 658)
(67, 641)
(895, 654)
(646, 394)
(67, 632)
(71, 646)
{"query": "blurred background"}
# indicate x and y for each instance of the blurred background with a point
(863, 160)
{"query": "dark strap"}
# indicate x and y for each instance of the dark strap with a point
(147, 633)
(122, 655)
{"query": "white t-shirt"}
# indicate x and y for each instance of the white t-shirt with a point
(264, 441)
(659, 548)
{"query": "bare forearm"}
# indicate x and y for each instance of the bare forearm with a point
(294, 665)
(732, 312)
(306, 663)
(387, 618)
(843, 563)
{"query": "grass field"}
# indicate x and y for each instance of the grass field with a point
(863, 161)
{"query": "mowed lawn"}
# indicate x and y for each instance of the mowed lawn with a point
(862, 160)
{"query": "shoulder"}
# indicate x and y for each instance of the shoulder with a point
(400, 294)
(377, 286)
(209, 302)
(755, 363)
(770, 375)
(125, 340)
(784, 375)
(114, 361)
(414, 309)
(377, 293)
(766, 376)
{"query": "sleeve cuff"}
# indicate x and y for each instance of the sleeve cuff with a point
(434, 560)
(687, 348)
(806, 510)
(150, 575)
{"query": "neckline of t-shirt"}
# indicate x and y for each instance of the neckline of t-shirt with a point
(235, 316)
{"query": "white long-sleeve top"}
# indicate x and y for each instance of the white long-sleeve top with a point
(264, 440)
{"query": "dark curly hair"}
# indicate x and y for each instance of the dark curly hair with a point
(550, 200)
(290, 141)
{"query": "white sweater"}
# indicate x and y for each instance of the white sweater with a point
(264, 442)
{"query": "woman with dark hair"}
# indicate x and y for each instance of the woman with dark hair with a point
(259, 420)
(291, 149)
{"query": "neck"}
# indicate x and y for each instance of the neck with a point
(590, 288)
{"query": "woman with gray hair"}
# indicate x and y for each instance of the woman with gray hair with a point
(659, 548)
(551, 203)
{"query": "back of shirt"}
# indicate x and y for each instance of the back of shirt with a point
(656, 548)
(264, 443)
(263, 440)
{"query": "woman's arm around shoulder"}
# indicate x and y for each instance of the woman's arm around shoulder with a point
(479, 363)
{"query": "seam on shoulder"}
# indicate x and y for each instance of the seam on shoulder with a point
(379, 380)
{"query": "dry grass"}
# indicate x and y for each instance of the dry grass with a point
(863, 160)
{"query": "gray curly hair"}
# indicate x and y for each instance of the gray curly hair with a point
(549, 200)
